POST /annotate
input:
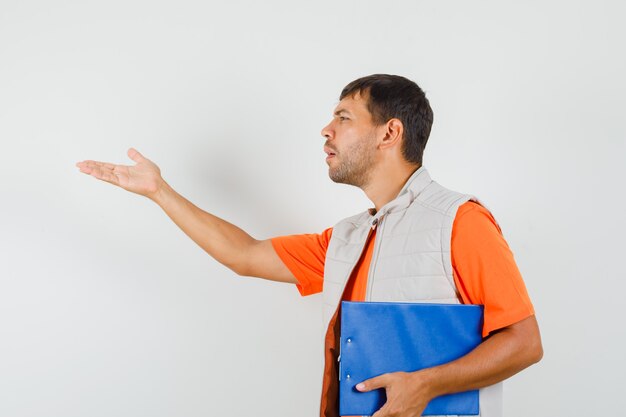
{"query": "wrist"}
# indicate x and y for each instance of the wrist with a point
(431, 382)
(162, 192)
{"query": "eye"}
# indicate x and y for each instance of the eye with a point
(342, 118)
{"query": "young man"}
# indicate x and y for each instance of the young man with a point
(420, 243)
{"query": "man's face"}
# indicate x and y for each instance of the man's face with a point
(350, 142)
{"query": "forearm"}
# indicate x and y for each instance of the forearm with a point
(502, 355)
(224, 241)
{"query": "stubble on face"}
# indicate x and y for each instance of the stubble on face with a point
(353, 166)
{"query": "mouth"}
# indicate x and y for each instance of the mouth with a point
(329, 153)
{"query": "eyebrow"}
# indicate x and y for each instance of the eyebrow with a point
(340, 111)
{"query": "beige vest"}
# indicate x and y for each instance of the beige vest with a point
(411, 258)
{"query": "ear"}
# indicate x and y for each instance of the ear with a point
(394, 130)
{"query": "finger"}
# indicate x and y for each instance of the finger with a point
(373, 383)
(104, 165)
(104, 175)
(85, 168)
(97, 172)
(135, 155)
(93, 164)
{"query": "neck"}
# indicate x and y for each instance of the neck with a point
(385, 187)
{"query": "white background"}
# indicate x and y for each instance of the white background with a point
(107, 309)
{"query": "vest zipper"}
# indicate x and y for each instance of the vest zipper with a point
(369, 233)
(373, 262)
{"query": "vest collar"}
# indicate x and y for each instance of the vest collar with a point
(412, 188)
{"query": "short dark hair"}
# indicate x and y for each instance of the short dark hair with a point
(393, 96)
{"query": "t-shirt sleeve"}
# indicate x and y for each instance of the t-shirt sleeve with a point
(485, 271)
(304, 256)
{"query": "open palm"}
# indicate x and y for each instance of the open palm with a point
(143, 178)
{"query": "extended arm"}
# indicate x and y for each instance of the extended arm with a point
(224, 241)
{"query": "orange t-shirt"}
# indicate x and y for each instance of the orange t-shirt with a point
(483, 266)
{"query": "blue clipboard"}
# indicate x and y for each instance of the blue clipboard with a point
(378, 338)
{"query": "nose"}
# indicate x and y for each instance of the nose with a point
(327, 132)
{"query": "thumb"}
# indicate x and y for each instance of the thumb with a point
(135, 155)
(373, 383)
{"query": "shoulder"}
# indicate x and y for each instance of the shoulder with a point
(472, 214)
(441, 199)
